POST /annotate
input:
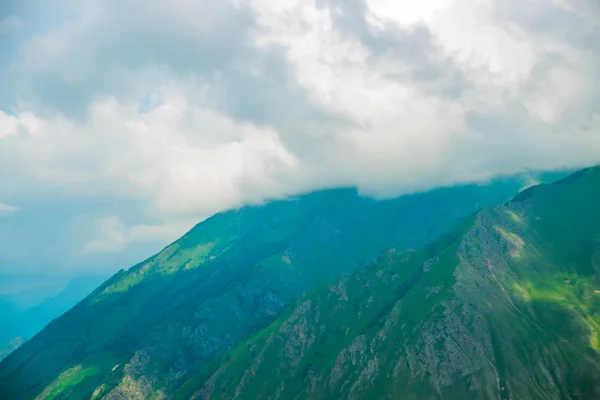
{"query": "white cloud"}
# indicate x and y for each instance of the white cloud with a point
(183, 160)
(467, 31)
(195, 107)
(114, 236)
(9, 24)
(407, 137)
(7, 209)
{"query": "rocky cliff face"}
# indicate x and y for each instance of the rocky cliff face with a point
(505, 307)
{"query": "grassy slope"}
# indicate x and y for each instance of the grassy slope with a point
(150, 328)
(507, 306)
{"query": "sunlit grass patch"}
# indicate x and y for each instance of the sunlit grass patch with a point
(515, 241)
(521, 292)
(67, 380)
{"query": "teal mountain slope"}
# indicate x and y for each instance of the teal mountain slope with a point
(16, 325)
(27, 322)
(507, 306)
(151, 328)
(10, 346)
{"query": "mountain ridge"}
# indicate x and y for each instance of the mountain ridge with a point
(510, 313)
(148, 329)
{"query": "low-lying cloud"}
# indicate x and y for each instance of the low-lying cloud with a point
(194, 107)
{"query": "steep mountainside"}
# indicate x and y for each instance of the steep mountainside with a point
(151, 328)
(507, 306)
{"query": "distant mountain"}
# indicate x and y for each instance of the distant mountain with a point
(507, 306)
(35, 318)
(167, 321)
(20, 324)
(24, 291)
(11, 346)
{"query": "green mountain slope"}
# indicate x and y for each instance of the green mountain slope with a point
(151, 328)
(507, 306)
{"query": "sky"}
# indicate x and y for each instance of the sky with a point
(123, 123)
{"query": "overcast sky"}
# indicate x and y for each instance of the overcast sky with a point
(124, 122)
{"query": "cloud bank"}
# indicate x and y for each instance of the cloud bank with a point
(193, 107)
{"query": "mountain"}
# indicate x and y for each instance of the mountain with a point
(35, 318)
(151, 328)
(17, 323)
(506, 306)
(8, 312)
(28, 290)
(11, 346)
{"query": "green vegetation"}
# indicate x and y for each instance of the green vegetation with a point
(165, 326)
(507, 306)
